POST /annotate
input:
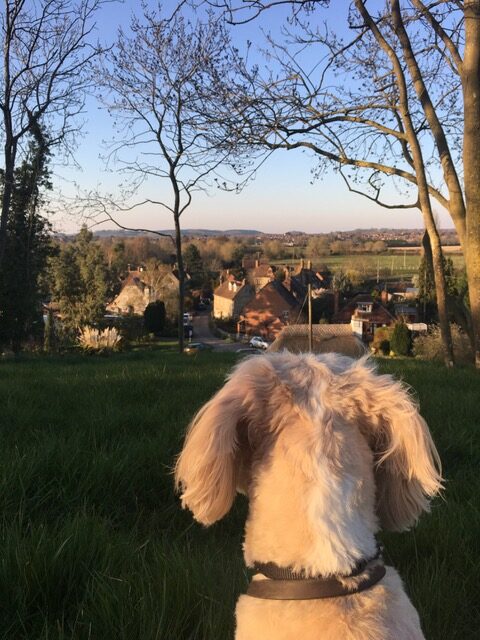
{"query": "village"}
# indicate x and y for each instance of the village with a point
(272, 302)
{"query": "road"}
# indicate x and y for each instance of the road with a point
(202, 333)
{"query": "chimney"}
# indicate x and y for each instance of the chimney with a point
(257, 263)
(309, 265)
(384, 296)
(302, 263)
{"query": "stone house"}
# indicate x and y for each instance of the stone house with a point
(260, 275)
(230, 297)
(141, 287)
(272, 308)
(134, 295)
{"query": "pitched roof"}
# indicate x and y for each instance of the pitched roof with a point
(287, 296)
(250, 262)
(302, 278)
(262, 271)
(326, 338)
(134, 279)
(273, 290)
(379, 313)
(229, 289)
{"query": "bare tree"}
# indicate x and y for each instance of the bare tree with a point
(400, 114)
(162, 83)
(47, 52)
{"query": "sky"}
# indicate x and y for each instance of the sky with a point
(281, 198)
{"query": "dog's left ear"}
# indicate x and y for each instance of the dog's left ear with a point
(408, 468)
(207, 468)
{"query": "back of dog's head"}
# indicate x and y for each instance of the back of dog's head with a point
(307, 416)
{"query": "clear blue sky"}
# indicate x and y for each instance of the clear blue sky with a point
(281, 198)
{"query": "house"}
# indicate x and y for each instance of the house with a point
(250, 262)
(297, 281)
(268, 311)
(230, 297)
(142, 286)
(134, 295)
(326, 338)
(406, 311)
(260, 275)
(364, 314)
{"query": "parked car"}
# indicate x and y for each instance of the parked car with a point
(258, 343)
(195, 347)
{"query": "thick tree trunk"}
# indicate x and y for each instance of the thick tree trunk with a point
(6, 200)
(471, 161)
(434, 257)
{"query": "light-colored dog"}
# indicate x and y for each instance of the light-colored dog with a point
(327, 452)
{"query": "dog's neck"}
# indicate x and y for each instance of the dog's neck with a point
(322, 523)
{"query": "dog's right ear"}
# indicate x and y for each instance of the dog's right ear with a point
(206, 470)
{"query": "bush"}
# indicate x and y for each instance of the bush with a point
(401, 340)
(382, 334)
(385, 347)
(429, 346)
(99, 341)
(154, 317)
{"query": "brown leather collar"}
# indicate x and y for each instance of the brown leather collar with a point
(285, 584)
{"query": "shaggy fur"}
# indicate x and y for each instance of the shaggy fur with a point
(327, 452)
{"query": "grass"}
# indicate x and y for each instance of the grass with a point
(391, 266)
(94, 544)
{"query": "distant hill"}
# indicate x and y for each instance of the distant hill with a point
(106, 233)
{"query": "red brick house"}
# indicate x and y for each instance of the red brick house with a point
(272, 308)
(364, 314)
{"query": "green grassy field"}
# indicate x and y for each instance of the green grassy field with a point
(95, 546)
(391, 266)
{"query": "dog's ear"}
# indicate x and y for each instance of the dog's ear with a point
(408, 468)
(207, 468)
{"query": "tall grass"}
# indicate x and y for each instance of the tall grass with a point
(94, 544)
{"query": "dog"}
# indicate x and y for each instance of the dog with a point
(328, 452)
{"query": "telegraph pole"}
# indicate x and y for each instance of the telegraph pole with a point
(310, 328)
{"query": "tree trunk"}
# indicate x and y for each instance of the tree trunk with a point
(434, 257)
(6, 199)
(419, 167)
(181, 282)
(471, 163)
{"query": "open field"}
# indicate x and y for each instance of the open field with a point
(393, 266)
(95, 546)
